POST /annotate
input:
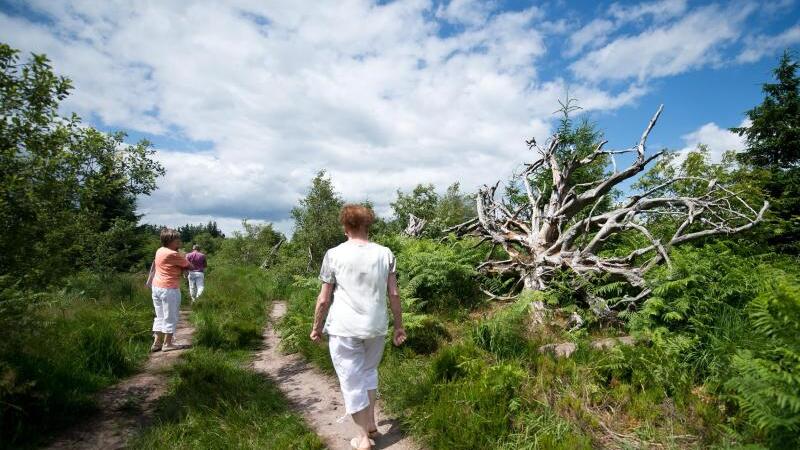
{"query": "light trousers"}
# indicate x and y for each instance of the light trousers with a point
(167, 303)
(356, 363)
(197, 281)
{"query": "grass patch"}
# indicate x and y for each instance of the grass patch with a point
(215, 402)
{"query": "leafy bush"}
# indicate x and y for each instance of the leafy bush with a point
(766, 380)
(438, 276)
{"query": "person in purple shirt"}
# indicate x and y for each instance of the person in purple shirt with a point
(196, 274)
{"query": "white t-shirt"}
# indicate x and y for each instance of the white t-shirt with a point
(360, 273)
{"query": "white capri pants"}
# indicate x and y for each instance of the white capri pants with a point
(356, 363)
(197, 281)
(167, 303)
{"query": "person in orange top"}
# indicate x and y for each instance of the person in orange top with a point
(165, 280)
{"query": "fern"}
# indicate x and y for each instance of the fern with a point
(767, 382)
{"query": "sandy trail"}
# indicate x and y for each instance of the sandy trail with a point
(316, 396)
(129, 405)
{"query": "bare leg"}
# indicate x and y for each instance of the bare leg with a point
(372, 398)
(362, 419)
(167, 339)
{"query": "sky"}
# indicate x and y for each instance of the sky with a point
(245, 101)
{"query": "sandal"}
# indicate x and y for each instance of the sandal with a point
(354, 444)
(373, 433)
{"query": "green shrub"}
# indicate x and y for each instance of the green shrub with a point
(766, 380)
(454, 362)
(423, 331)
(437, 276)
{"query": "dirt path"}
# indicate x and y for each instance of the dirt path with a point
(127, 406)
(316, 396)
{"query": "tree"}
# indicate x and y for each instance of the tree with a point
(453, 207)
(773, 144)
(62, 184)
(316, 220)
(421, 202)
(560, 226)
(190, 231)
(251, 246)
(424, 211)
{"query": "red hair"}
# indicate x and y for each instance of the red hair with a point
(356, 217)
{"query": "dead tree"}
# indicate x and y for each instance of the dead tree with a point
(561, 227)
(273, 252)
(415, 226)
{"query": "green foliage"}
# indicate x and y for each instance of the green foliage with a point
(766, 378)
(421, 202)
(453, 208)
(215, 402)
(424, 332)
(773, 136)
(504, 333)
(316, 220)
(190, 231)
(438, 276)
(66, 190)
(295, 325)
(60, 347)
(440, 212)
(773, 146)
(250, 247)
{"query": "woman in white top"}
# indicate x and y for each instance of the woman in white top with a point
(360, 274)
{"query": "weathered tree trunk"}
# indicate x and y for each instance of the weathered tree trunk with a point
(562, 231)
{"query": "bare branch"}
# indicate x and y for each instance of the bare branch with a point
(552, 239)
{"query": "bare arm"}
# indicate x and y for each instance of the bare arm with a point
(321, 310)
(397, 310)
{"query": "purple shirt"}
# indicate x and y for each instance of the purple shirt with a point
(198, 261)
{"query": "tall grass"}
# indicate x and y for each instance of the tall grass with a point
(60, 347)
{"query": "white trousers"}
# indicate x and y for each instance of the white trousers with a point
(356, 363)
(167, 303)
(197, 281)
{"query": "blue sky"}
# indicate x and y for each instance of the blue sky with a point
(246, 100)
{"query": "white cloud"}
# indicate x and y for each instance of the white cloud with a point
(466, 12)
(599, 31)
(717, 140)
(592, 35)
(376, 94)
(691, 42)
(757, 47)
(657, 10)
